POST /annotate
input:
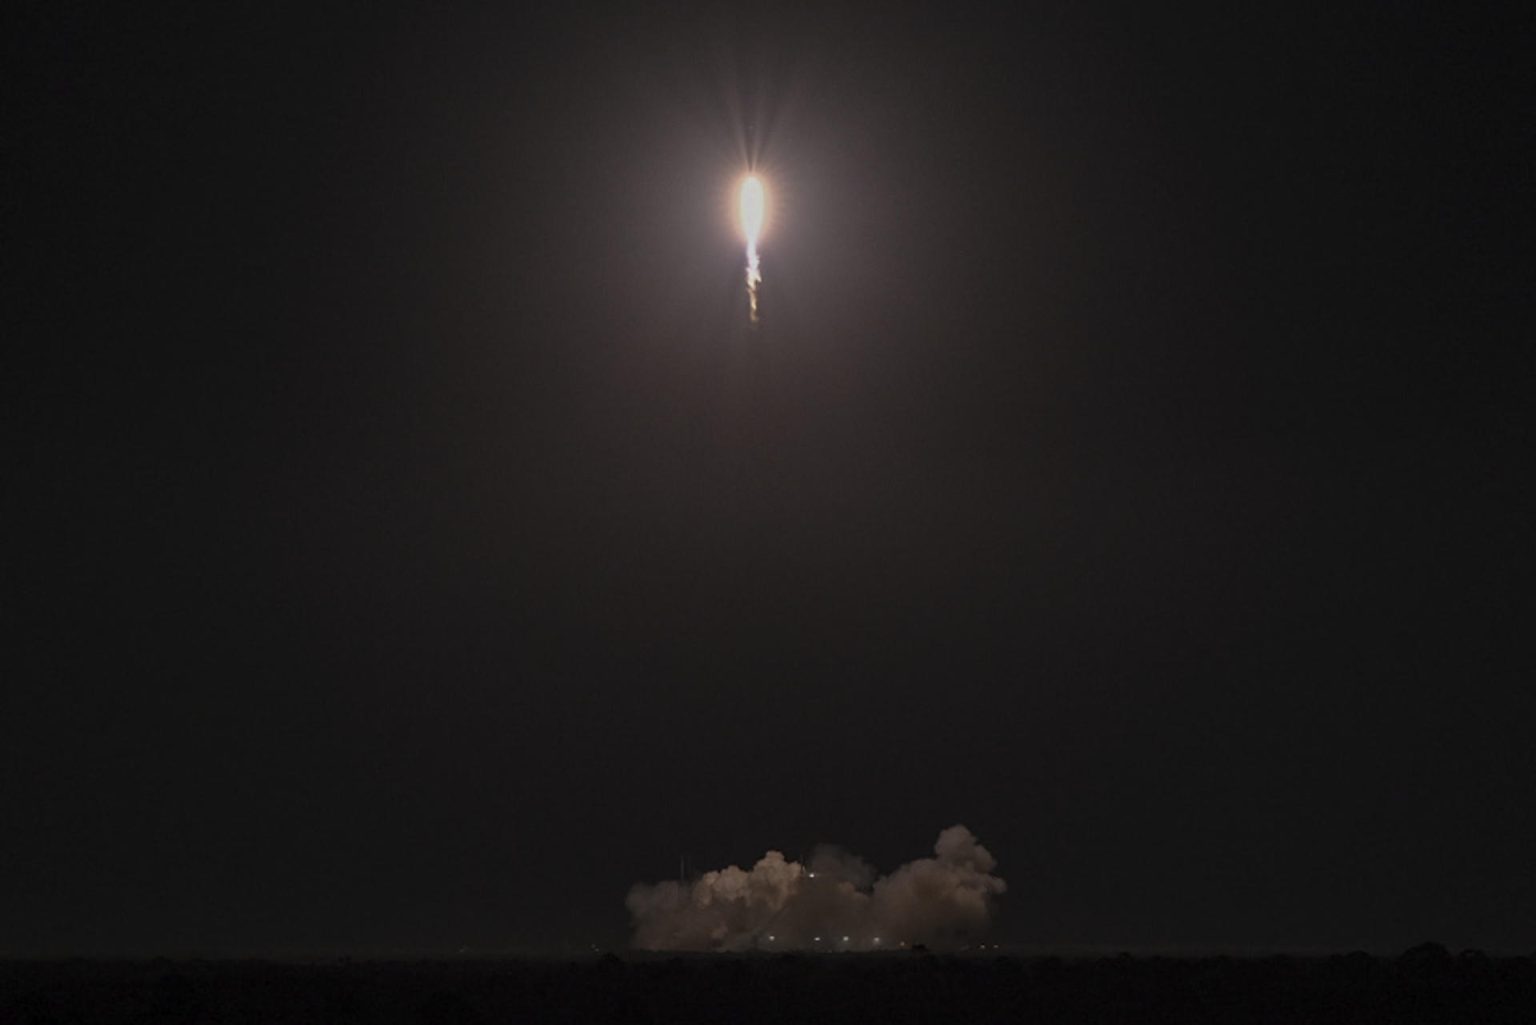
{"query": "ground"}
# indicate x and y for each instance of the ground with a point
(1426, 984)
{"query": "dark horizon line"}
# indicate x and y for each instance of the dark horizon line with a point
(571, 952)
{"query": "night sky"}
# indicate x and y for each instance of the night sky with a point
(410, 546)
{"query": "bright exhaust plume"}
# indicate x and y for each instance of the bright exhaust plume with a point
(752, 206)
(752, 209)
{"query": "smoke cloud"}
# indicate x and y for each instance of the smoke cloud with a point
(834, 901)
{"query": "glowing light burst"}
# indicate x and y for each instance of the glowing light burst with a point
(752, 204)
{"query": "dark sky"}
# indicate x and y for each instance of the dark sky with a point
(410, 546)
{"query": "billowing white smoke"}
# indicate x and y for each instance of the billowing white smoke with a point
(834, 902)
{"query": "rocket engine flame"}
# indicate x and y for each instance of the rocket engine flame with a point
(752, 204)
(752, 208)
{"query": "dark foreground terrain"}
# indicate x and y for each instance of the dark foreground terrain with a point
(1426, 984)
